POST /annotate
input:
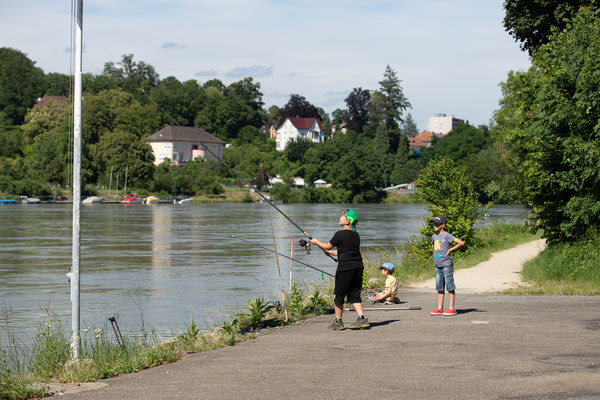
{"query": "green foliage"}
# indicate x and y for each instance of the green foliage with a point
(191, 333)
(50, 350)
(257, 312)
(463, 141)
(531, 21)
(392, 103)
(549, 122)
(295, 306)
(20, 84)
(316, 300)
(295, 149)
(445, 185)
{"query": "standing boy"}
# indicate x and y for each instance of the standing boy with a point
(444, 266)
(348, 276)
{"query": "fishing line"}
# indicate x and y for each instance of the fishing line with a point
(278, 268)
(268, 200)
(282, 255)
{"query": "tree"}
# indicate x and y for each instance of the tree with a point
(132, 76)
(358, 108)
(446, 187)
(409, 127)
(461, 142)
(530, 22)
(56, 84)
(21, 82)
(298, 106)
(391, 105)
(549, 122)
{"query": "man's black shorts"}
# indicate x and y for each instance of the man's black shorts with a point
(347, 284)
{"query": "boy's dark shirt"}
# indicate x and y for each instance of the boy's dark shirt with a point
(348, 247)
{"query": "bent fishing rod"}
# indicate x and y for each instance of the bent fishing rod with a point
(303, 242)
(282, 255)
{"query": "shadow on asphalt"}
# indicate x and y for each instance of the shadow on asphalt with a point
(468, 310)
(382, 323)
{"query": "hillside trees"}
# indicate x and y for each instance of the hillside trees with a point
(549, 122)
(20, 84)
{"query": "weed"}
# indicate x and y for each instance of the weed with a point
(254, 319)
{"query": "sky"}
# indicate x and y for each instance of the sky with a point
(450, 55)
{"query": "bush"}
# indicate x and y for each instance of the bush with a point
(445, 185)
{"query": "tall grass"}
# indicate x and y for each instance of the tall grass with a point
(564, 269)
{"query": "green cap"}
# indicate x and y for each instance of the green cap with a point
(353, 218)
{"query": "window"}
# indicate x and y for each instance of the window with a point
(167, 145)
(174, 145)
(185, 146)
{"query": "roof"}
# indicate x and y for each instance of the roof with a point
(171, 133)
(43, 101)
(422, 139)
(304, 123)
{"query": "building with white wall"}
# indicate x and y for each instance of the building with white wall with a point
(440, 124)
(181, 144)
(296, 128)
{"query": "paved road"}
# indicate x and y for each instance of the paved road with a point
(497, 347)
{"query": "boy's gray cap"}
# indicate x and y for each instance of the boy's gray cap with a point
(439, 220)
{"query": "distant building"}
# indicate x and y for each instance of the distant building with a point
(181, 144)
(296, 128)
(440, 124)
(51, 100)
(423, 139)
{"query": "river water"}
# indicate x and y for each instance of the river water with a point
(158, 265)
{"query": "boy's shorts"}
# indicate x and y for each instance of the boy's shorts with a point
(347, 284)
(444, 277)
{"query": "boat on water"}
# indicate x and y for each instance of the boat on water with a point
(93, 200)
(8, 201)
(132, 199)
(151, 200)
(182, 200)
(30, 200)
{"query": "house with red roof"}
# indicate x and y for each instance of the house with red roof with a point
(423, 139)
(296, 128)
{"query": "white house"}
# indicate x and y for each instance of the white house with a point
(294, 128)
(181, 144)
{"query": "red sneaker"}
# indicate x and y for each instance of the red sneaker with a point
(437, 311)
(449, 312)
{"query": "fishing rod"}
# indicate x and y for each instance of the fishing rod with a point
(302, 242)
(282, 255)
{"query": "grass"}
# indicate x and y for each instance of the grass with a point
(413, 265)
(564, 269)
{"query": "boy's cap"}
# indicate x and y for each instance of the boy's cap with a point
(389, 266)
(353, 218)
(439, 220)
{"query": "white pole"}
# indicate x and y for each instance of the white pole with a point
(291, 263)
(75, 311)
(125, 187)
(110, 182)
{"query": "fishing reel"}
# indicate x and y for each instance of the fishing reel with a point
(305, 244)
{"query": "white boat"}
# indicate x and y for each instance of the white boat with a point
(29, 200)
(93, 200)
(151, 200)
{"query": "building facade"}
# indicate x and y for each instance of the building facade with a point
(440, 124)
(296, 128)
(181, 144)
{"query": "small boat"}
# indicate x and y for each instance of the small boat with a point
(151, 200)
(132, 199)
(30, 200)
(182, 200)
(93, 200)
(8, 201)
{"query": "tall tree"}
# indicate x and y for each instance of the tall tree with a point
(409, 127)
(549, 122)
(530, 22)
(392, 104)
(21, 82)
(358, 108)
(298, 106)
(132, 76)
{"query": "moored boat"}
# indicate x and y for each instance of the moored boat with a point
(132, 199)
(93, 200)
(8, 201)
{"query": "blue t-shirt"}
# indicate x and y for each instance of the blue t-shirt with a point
(441, 244)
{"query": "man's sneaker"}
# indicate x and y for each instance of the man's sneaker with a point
(337, 325)
(449, 312)
(361, 323)
(437, 311)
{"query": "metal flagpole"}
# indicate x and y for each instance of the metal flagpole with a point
(75, 310)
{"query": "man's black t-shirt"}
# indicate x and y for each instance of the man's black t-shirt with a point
(348, 247)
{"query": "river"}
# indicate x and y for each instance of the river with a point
(158, 265)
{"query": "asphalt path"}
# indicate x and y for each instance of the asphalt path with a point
(497, 347)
